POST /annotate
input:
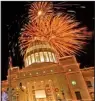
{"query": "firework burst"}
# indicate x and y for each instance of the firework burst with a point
(40, 9)
(60, 30)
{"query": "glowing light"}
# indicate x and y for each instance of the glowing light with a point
(23, 87)
(82, 7)
(37, 73)
(69, 70)
(73, 82)
(42, 81)
(17, 88)
(44, 72)
(33, 59)
(58, 94)
(29, 60)
(30, 74)
(49, 80)
(39, 8)
(39, 13)
(71, 11)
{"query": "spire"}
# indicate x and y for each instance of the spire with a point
(10, 62)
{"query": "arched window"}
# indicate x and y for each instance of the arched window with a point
(54, 58)
(50, 57)
(29, 60)
(41, 57)
(37, 57)
(33, 58)
(46, 58)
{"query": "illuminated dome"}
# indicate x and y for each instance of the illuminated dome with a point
(39, 51)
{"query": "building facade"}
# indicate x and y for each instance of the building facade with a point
(46, 77)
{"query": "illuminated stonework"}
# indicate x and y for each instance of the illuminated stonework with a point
(49, 81)
(38, 52)
(46, 79)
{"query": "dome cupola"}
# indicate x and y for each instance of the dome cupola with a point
(39, 51)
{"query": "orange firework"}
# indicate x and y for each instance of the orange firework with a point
(40, 9)
(60, 30)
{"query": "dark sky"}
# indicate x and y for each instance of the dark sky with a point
(14, 15)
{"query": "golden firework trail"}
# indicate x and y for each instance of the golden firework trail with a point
(60, 30)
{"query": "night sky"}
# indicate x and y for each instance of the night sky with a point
(14, 15)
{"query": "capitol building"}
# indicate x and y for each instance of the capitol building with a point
(45, 77)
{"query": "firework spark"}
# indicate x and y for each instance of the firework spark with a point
(40, 9)
(60, 30)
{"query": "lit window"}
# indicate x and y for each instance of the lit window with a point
(53, 57)
(41, 57)
(40, 94)
(29, 60)
(50, 56)
(33, 59)
(46, 57)
(37, 57)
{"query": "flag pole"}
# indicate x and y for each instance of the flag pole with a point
(10, 68)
